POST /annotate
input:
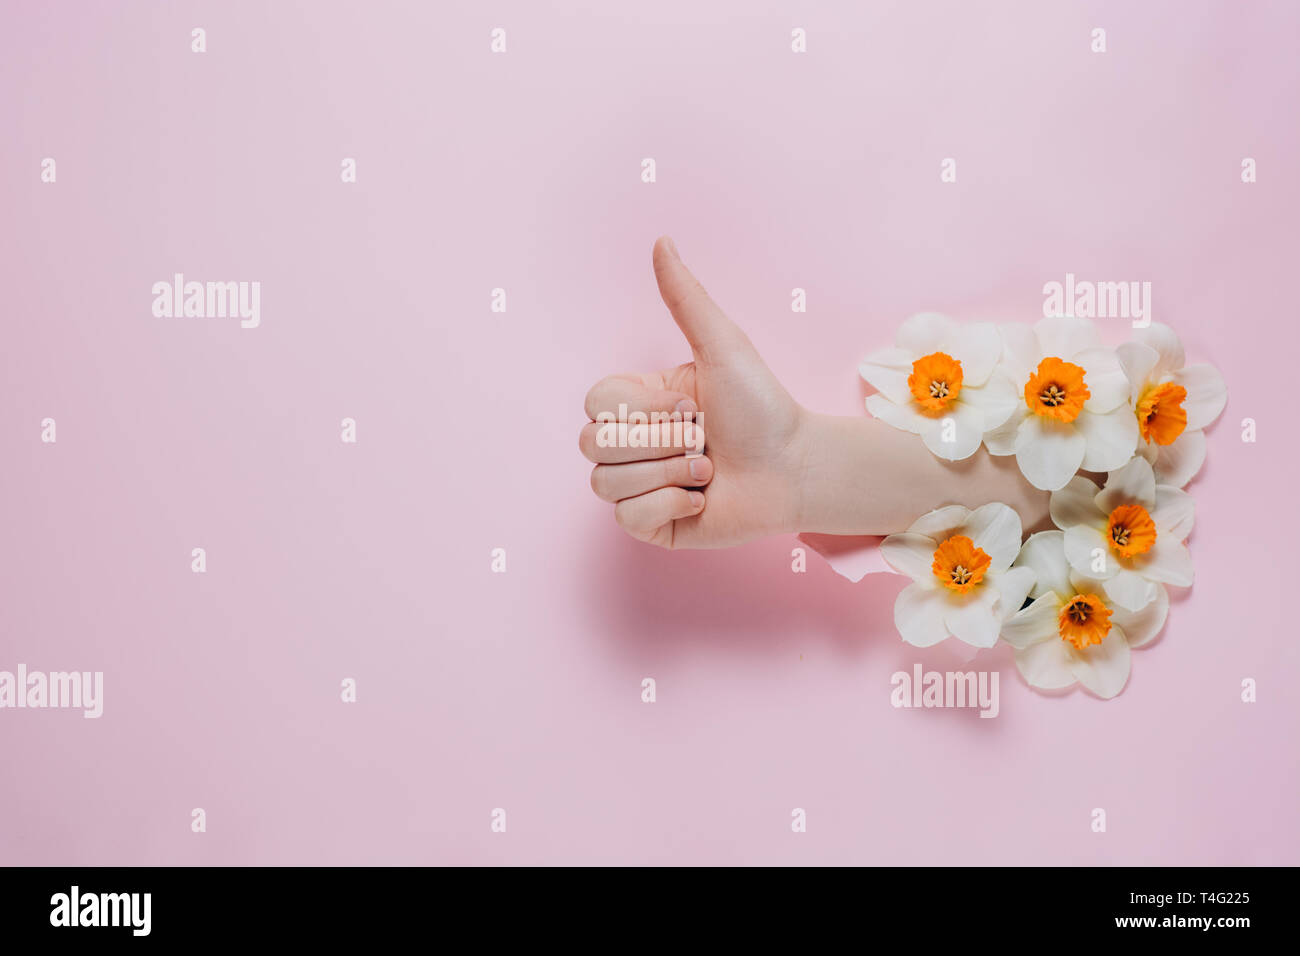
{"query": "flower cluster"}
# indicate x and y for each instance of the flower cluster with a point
(1068, 408)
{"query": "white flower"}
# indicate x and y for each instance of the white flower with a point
(939, 382)
(1129, 535)
(962, 580)
(1172, 401)
(1073, 411)
(1072, 632)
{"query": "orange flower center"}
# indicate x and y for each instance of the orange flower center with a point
(1161, 417)
(1056, 390)
(1084, 620)
(959, 565)
(1131, 531)
(935, 381)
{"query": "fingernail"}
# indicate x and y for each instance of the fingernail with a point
(698, 468)
(685, 407)
(672, 247)
(697, 500)
(688, 435)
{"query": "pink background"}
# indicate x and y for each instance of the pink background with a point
(371, 561)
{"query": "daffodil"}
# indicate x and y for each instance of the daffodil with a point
(940, 382)
(1073, 632)
(963, 584)
(1074, 413)
(1172, 401)
(1129, 534)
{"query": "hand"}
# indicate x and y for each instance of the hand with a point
(770, 465)
(753, 430)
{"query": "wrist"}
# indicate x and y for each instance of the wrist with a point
(859, 476)
(812, 474)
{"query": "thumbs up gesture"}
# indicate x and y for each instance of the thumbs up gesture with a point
(745, 485)
(769, 465)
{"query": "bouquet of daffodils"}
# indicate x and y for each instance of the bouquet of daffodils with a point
(1072, 602)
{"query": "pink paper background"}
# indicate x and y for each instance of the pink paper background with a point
(371, 561)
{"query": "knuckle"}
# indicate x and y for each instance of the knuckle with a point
(600, 482)
(587, 442)
(592, 400)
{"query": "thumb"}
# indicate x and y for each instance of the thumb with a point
(710, 333)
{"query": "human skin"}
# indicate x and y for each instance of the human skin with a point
(770, 466)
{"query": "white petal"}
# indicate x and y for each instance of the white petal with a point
(918, 615)
(995, 528)
(1036, 624)
(1169, 350)
(1206, 394)
(1045, 553)
(924, 333)
(1175, 512)
(1138, 362)
(1074, 504)
(1141, 626)
(1049, 452)
(1177, 464)
(1086, 583)
(910, 554)
(1082, 544)
(1102, 668)
(971, 618)
(1168, 562)
(1046, 665)
(1020, 352)
(1065, 337)
(941, 523)
(904, 417)
(1104, 376)
(956, 434)
(1002, 440)
(978, 347)
(887, 371)
(1129, 591)
(1133, 484)
(1013, 587)
(996, 400)
(1111, 438)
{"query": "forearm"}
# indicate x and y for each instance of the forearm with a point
(861, 476)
